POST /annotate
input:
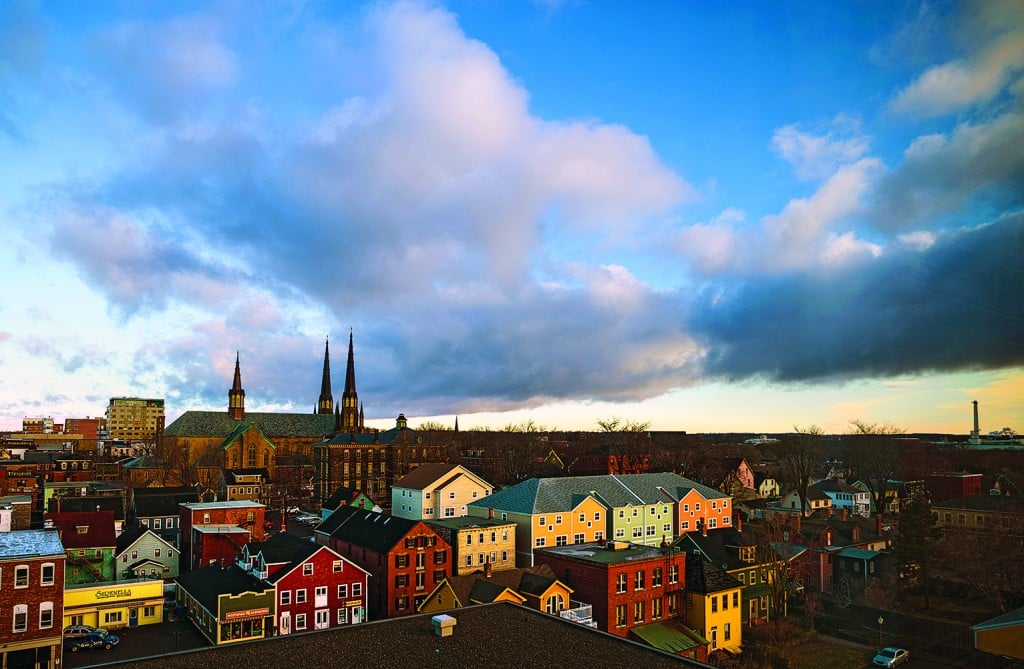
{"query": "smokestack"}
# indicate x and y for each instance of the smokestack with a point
(976, 433)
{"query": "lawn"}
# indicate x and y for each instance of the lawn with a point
(815, 656)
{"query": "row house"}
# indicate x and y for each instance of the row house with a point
(251, 485)
(316, 587)
(845, 497)
(534, 587)
(478, 543)
(645, 509)
(31, 598)
(825, 538)
(713, 606)
(628, 585)
(217, 531)
(158, 509)
(18, 478)
(142, 553)
(980, 511)
(89, 540)
(751, 557)
(405, 558)
(227, 604)
(434, 491)
(817, 500)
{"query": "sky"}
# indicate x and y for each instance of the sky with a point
(707, 216)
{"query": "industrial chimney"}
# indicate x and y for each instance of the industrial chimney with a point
(975, 439)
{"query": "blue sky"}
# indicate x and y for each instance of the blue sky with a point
(708, 217)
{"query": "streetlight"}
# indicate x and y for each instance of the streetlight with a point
(881, 620)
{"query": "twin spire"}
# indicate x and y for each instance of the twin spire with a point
(348, 414)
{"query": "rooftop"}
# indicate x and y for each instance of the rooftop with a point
(614, 552)
(483, 637)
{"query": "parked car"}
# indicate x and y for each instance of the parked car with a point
(75, 631)
(292, 509)
(92, 640)
(891, 657)
(308, 519)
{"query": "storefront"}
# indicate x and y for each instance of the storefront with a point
(113, 606)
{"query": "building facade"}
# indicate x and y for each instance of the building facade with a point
(31, 598)
(437, 490)
(135, 418)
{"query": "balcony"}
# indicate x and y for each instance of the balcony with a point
(579, 613)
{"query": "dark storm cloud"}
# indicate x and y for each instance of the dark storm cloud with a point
(956, 306)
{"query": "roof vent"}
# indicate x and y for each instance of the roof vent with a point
(444, 625)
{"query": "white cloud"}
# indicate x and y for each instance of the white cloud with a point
(817, 156)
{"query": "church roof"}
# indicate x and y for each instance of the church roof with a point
(221, 424)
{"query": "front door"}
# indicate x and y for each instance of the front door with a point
(286, 623)
(357, 615)
(133, 616)
(714, 638)
(753, 610)
(323, 619)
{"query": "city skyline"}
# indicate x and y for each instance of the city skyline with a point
(708, 218)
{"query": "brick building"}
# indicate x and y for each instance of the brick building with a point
(217, 531)
(405, 558)
(31, 598)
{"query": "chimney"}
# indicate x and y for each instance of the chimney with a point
(842, 514)
(798, 519)
(444, 625)
(737, 519)
(490, 513)
(487, 568)
(703, 527)
(878, 524)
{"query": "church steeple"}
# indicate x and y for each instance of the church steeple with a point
(351, 418)
(236, 396)
(326, 403)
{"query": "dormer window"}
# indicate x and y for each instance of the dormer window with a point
(81, 529)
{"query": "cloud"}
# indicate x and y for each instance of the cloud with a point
(953, 306)
(817, 156)
(994, 46)
(977, 163)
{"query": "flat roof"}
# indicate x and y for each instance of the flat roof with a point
(611, 553)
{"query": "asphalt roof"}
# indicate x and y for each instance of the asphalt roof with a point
(377, 531)
(212, 581)
(424, 475)
(553, 495)
(84, 529)
(704, 577)
(497, 636)
(1008, 619)
(221, 424)
(151, 502)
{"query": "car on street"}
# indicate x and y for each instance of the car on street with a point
(308, 519)
(292, 509)
(75, 631)
(92, 640)
(890, 657)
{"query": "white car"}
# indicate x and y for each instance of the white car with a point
(308, 519)
(292, 509)
(890, 657)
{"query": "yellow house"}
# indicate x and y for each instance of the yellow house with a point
(124, 604)
(434, 491)
(533, 587)
(1002, 635)
(714, 604)
(478, 543)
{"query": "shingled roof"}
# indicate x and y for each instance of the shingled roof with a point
(704, 577)
(212, 581)
(552, 495)
(84, 529)
(424, 475)
(221, 424)
(161, 501)
(368, 529)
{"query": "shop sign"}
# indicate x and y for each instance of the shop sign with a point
(247, 613)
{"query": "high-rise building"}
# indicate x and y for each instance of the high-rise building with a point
(135, 418)
(40, 425)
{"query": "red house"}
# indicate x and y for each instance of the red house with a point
(316, 587)
(627, 584)
(405, 558)
(217, 531)
(949, 486)
(31, 598)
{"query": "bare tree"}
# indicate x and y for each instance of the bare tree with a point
(872, 453)
(799, 456)
(433, 426)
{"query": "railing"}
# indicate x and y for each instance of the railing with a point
(580, 613)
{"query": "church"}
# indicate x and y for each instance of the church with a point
(334, 439)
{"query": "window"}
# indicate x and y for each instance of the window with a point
(638, 580)
(558, 520)
(620, 533)
(540, 542)
(343, 591)
(307, 569)
(300, 596)
(357, 589)
(578, 538)
(666, 528)
(504, 556)
(156, 552)
(656, 608)
(343, 616)
(726, 632)
(337, 566)
(638, 612)
(638, 532)
(112, 617)
(735, 599)
(620, 584)
(598, 536)
(561, 540)
(449, 512)
(714, 605)
(712, 523)
(469, 538)
(46, 574)
(469, 560)
(402, 581)
(20, 618)
(300, 621)
(135, 555)
(542, 521)
(156, 523)
(440, 556)
(21, 576)
(753, 577)
(474, 494)
(673, 574)
(402, 560)
(451, 495)
(421, 580)
(620, 615)
(742, 577)
(148, 611)
(45, 615)
(286, 597)
(725, 602)
(651, 530)
(583, 517)
(439, 576)
(656, 578)
(685, 525)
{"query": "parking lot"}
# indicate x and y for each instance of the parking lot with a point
(137, 642)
